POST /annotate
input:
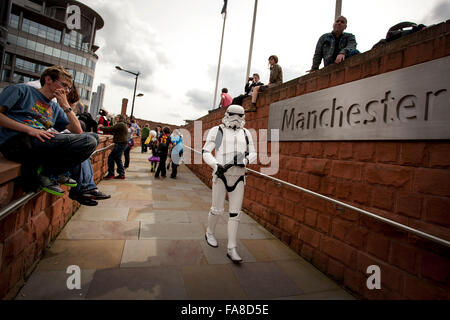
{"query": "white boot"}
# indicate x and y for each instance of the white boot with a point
(209, 236)
(232, 235)
(233, 255)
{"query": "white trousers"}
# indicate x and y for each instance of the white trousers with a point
(235, 198)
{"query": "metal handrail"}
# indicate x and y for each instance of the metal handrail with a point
(5, 211)
(11, 207)
(343, 204)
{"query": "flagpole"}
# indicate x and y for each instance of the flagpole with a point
(337, 13)
(220, 58)
(251, 42)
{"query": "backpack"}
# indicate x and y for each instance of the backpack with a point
(399, 30)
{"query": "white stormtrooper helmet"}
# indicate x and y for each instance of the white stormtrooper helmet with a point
(234, 117)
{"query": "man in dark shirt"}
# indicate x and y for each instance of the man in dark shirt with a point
(251, 83)
(120, 132)
(335, 46)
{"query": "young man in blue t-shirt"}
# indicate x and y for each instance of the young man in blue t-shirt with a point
(30, 124)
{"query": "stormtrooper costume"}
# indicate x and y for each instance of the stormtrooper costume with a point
(234, 150)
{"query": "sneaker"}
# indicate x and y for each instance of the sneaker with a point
(67, 181)
(120, 176)
(109, 177)
(96, 194)
(50, 186)
(83, 200)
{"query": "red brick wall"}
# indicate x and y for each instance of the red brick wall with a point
(406, 181)
(25, 233)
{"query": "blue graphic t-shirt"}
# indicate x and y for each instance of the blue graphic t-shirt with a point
(29, 106)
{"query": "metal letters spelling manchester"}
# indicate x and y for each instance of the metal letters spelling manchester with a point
(411, 103)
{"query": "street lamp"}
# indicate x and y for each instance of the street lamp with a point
(135, 84)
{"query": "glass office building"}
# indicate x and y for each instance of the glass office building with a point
(37, 37)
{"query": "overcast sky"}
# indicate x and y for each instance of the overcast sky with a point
(175, 44)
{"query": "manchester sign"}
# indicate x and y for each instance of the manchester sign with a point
(406, 104)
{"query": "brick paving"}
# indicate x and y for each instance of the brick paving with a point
(147, 242)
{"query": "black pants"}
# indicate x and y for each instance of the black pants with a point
(161, 166)
(126, 153)
(143, 146)
(174, 170)
(116, 157)
(57, 155)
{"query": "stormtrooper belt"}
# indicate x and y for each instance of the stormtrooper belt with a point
(222, 177)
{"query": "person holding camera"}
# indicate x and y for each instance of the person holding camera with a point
(251, 83)
(276, 77)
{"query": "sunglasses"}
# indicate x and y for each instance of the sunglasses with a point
(235, 114)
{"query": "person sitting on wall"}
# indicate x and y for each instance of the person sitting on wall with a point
(225, 99)
(86, 191)
(335, 46)
(251, 83)
(275, 78)
(30, 125)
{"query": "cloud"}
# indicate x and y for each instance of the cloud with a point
(199, 99)
(440, 13)
(131, 44)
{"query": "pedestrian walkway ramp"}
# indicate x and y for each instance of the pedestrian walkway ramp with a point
(147, 242)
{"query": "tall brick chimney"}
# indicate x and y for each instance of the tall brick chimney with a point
(124, 106)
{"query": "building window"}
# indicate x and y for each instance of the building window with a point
(36, 46)
(41, 30)
(7, 59)
(14, 21)
(74, 40)
(19, 78)
(29, 66)
(5, 75)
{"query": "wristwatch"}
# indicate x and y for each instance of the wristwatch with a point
(67, 110)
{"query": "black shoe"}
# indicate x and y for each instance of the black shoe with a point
(172, 177)
(95, 194)
(83, 200)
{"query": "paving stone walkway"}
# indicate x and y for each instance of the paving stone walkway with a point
(147, 242)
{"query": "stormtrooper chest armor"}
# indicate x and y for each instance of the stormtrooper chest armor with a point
(233, 142)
